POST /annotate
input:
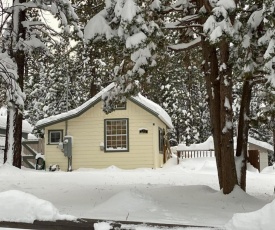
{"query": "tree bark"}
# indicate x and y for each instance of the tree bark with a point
(211, 72)
(12, 154)
(273, 144)
(13, 145)
(229, 177)
(243, 128)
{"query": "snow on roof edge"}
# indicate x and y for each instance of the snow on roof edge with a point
(26, 126)
(150, 105)
(262, 144)
(74, 112)
(162, 114)
(209, 145)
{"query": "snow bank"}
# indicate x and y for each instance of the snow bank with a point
(102, 226)
(205, 165)
(269, 170)
(17, 206)
(260, 219)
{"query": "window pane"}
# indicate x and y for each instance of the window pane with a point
(116, 134)
(55, 136)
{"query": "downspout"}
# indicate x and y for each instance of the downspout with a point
(69, 169)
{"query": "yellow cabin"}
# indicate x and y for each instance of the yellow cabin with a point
(130, 137)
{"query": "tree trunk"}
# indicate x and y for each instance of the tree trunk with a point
(13, 145)
(229, 177)
(243, 128)
(12, 155)
(273, 144)
(213, 91)
(9, 142)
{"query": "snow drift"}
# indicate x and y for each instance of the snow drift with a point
(260, 219)
(28, 208)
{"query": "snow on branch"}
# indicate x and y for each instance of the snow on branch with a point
(128, 26)
(185, 46)
(267, 40)
(61, 9)
(179, 5)
(186, 19)
(8, 74)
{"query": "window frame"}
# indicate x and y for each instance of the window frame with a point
(49, 136)
(105, 135)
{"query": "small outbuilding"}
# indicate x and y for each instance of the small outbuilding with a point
(130, 137)
(257, 151)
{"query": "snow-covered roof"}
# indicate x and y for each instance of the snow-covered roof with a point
(26, 126)
(262, 144)
(162, 114)
(209, 145)
(139, 99)
(32, 137)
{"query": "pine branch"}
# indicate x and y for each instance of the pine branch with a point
(186, 46)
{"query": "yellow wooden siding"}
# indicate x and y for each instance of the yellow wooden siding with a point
(88, 133)
(54, 155)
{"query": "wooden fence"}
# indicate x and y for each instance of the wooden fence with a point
(30, 149)
(194, 154)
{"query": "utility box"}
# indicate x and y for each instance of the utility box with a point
(67, 146)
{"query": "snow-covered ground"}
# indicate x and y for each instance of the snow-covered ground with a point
(179, 194)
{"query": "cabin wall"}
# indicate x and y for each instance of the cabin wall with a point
(87, 131)
(263, 160)
(53, 154)
(263, 155)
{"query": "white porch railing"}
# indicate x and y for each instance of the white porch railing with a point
(194, 154)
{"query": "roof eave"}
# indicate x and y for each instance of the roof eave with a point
(68, 117)
(151, 111)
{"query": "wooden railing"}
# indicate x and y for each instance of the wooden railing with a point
(194, 154)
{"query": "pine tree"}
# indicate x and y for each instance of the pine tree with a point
(23, 35)
(130, 27)
(180, 90)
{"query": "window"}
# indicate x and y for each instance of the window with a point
(55, 136)
(161, 140)
(116, 135)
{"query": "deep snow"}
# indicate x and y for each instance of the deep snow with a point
(179, 194)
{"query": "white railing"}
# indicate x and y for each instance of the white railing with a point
(195, 154)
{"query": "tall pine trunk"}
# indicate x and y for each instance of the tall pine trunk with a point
(226, 118)
(219, 90)
(13, 141)
(243, 128)
(12, 155)
(211, 72)
(273, 131)
(218, 77)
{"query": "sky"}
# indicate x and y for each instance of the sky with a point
(187, 193)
